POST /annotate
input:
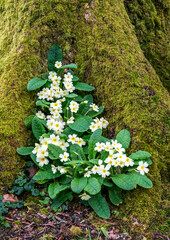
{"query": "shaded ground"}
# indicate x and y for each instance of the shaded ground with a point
(74, 221)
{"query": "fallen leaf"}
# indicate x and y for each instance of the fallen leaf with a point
(10, 198)
(32, 171)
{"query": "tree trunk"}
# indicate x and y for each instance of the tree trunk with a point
(99, 37)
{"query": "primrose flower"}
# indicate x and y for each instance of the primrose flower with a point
(142, 168)
(42, 152)
(107, 146)
(54, 139)
(52, 75)
(80, 142)
(56, 105)
(37, 147)
(42, 161)
(93, 127)
(103, 171)
(88, 174)
(95, 107)
(70, 120)
(62, 170)
(99, 147)
(95, 169)
(104, 122)
(72, 138)
(110, 162)
(40, 114)
(74, 106)
(58, 64)
(84, 196)
(115, 163)
(64, 157)
(41, 95)
(54, 169)
(68, 77)
(129, 162)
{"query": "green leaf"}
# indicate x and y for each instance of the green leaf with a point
(140, 155)
(54, 151)
(107, 183)
(77, 153)
(94, 113)
(123, 137)
(99, 205)
(72, 95)
(81, 124)
(45, 75)
(33, 157)
(115, 196)
(28, 121)
(93, 186)
(74, 162)
(84, 107)
(55, 188)
(136, 162)
(71, 65)
(44, 175)
(35, 83)
(95, 137)
(25, 150)
(83, 86)
(42, 104)
(59, 200)
(78, 184)
(54, 54)
(123, 181)
(37, 128)
(141, 180)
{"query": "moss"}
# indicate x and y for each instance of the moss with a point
(109, 57)
(75, 231)
(150, 21)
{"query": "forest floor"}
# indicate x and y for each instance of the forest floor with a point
(72, 222)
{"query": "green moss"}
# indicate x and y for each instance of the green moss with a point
(150, 21)
(109, 57)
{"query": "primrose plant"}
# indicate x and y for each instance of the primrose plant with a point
(70, 151)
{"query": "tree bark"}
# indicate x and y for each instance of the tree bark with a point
(99, 37)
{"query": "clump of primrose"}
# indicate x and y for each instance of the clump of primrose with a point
(70, 151)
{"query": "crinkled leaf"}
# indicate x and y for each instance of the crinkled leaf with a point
(83, 86)
(55, 188)
(72, 95)
(54, 54)
(141, 180)
(123, 181)
(61, 198)
(44, 175)
(77, 153)
(93, 186)
(28, 121)
(95, 137)
(37, 128)
(25, 150)
(42, 104)
(115, 196)
(140, 155)
(123, 137)
(94, 113)
(54, 151)
(35, 83)
(81, 124)
(99, 205)
(78, 184)
(71, 65)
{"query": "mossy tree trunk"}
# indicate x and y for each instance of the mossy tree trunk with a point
(99, 37)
